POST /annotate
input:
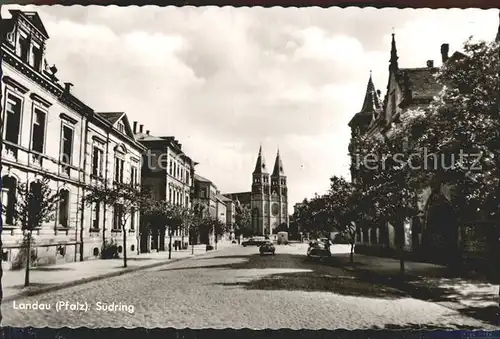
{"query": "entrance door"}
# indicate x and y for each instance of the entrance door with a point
(440, 238)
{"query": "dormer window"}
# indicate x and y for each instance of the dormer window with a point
(121, 127)
(24, 47)
(36, 57)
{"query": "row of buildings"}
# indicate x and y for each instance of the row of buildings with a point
(435, 232)
(49, 132)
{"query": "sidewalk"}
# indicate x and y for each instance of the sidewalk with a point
(474, 297)
(53, 277)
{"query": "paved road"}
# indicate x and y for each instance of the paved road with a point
(237, 288)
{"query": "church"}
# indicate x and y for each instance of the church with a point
(268, 198)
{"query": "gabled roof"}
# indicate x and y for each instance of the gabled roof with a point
(33, 18)
(202, 179)
(112, 118)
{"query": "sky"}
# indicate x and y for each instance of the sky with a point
(224, 81)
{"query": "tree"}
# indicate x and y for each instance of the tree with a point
(34, 205)
(243, 221)
(125, 200)
(209, 224)
(342, 207)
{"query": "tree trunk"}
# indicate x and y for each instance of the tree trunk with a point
(401, 248)
(192, 248)
(124, 246)
(28, 260)
(351, 255)
(170, 244)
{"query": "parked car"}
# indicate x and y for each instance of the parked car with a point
(267, 247)
(253, 242)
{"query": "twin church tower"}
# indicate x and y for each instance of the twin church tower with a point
(268, 200)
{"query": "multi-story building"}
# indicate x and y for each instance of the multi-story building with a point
(168, 173)
(408, 88)
(205, 198)
(268, 199)
(49, 132)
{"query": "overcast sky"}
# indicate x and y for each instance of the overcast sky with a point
(224, 81)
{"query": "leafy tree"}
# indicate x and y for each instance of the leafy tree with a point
(243, 222)
(125, 199)
(209, 224)
(34, 205)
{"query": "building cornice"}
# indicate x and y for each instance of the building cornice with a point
(42, 80)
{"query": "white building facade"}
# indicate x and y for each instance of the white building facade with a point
(49, 132)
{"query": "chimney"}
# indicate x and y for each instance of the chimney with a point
(430, 63)
(67, 86)
(135, 127)
(147, 132)
(445, 49)
(140, 128)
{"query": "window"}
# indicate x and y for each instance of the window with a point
(170, 194)
(117, 217)
(96, 214)
(64, 208)
(119, 163)
(36, 57)
(9, 186)
(38, 131)
(67, 145)
(13, 123)
(187, 201)
(24, 46)
(170, 167)
(203, 192)
(97, 161)
(133, 175)
(187, 177)
(175, 169)
(121, 127)
(132, 219)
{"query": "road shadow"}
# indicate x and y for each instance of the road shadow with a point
(302, 276)
(449, 290)
(317, 281)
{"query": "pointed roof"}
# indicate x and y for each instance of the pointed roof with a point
(260, 165)
(394, 54)
(278, 166)
(371, 105)
(372, 101)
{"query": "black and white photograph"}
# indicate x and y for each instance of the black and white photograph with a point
(260, 168)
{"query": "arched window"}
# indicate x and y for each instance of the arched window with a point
(64, 208)
(9, 186)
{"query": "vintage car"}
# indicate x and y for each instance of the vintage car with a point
(318, 252)
(267, 247)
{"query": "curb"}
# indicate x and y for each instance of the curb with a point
(61, 286)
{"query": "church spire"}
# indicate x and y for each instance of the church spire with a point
(278, 166)
(393, 66)
(260, 165)
(372, 98)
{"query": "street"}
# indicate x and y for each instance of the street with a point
(237, 288)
